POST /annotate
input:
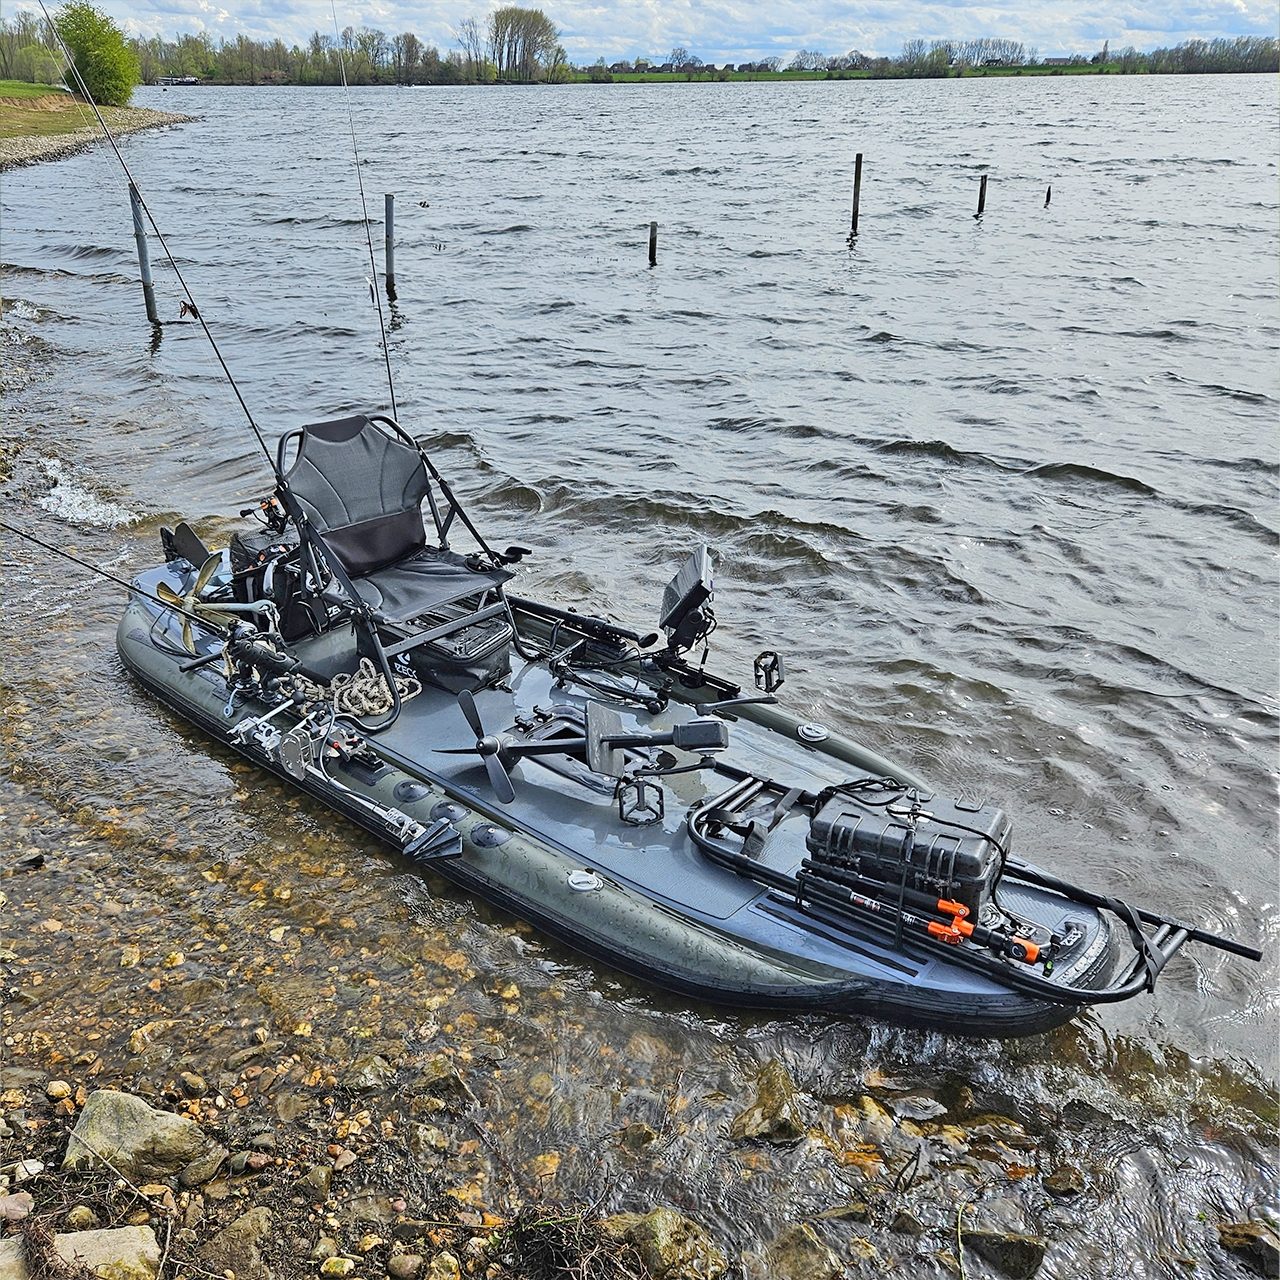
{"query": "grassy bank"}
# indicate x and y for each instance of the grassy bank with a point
(40, 123)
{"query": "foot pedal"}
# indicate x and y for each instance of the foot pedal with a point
(641, 802)
(438, 843)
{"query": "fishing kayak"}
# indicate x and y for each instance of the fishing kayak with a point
(594, 782)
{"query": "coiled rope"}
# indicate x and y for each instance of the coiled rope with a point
(362, 692)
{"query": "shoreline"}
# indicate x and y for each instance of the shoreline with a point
(27, 149)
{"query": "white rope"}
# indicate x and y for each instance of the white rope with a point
(363, 692)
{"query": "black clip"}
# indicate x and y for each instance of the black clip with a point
(641, 803)
(769, 671)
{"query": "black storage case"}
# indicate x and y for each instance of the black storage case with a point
(943, 859)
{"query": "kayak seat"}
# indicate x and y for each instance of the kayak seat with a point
(361, 485)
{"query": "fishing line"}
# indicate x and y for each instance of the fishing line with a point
(177, 271)
(364, 209)
(211, 627)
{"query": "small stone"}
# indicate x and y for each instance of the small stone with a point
(854, 1211)
(124, 1253)
(1254, 1243)
(369, 1073)
(444, 1266)
(324, 1247)
(204, 1167)
(636, 1136)
(23, 1170)
(337, 1266)
(344, 1159)
(315, 1182)
(798, 1254)
(905, 1223)
(15, 1207)
(369, 1243)
(56, 1090)
(774, 1116)
(404, 1266)
(1016, 1256)
(236, 1247)
(1065, 1180)
(193, 1085)
(669, 1244)
(263, 1141)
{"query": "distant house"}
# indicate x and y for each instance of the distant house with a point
(666, 69)
(620, 68)
(1057, 62)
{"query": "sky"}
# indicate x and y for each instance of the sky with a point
(733, 30)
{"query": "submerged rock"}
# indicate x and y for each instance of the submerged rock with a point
(775, 1115)
(1016, 1256)
(140, 1142)
(671, 1246)
(1065, 1180)
(798, 1254)
(123, 1253)
(1254, 1243)
(369, 1073)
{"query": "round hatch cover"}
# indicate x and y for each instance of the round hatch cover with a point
(584, 881)
(811, 731)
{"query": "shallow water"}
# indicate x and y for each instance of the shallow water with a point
(1002, 492)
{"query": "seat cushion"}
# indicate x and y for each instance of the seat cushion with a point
(423, 582)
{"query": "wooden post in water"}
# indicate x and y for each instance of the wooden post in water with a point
(1048, 195)
(857, 193)
(982, 197)
(389, 242)
(144, 258)
(653, 244)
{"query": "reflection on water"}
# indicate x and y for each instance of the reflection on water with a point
(1003, 493)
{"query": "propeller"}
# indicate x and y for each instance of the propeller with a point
(489, 748)
(191, 602)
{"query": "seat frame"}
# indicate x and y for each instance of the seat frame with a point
(324, 569)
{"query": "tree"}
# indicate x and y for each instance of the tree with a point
(680, 58)
(107, 65)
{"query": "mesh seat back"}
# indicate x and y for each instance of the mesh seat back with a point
(362, 489)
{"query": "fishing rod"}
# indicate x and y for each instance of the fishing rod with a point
(212, 627)
(155, 227)
(364, 210)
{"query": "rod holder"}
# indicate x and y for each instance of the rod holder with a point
(389, 242)
(144, 257)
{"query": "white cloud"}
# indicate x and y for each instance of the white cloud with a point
(733, 30)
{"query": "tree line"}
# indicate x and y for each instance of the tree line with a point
(520, 45)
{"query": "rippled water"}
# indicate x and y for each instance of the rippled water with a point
(1003, 493)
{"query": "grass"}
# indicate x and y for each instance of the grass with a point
(21, 89)
(49, 115)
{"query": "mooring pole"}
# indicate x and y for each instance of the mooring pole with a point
(857, 193)
(389, 238)
(144, 258)
(653, 244)
(1048, 195)
(982, 196)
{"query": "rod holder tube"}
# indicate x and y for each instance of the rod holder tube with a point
(653, 244)
(389, 242)
(144, 258)
(857, 193)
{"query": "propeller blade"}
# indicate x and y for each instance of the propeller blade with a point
(168, 594)
(188, 641)
(207, 570)
(468, 705)
(454, 751)
(499, 780)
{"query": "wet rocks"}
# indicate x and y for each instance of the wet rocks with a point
(1254, 1243)
(1011, 1253)
(235, 1247)
(799, 1254)
(774, 1116)
(122, 1253)
(671, 1246)
(444, 1266)
(140, 1142)
(369, 1073)
(203, 1168)
(316, 1181)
